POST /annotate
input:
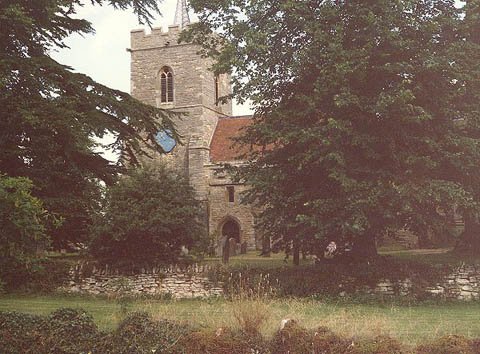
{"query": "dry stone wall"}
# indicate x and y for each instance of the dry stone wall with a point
(192, 282)
(177, 282)
(461, 284)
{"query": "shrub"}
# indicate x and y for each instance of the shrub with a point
(41, 276)
(295, 339)
(19, 333)
(148, 216)
(23, 223)
(139, 334)
(380, 345)
(64, 331)
(452, 344)
(221, 341)
(69, 331)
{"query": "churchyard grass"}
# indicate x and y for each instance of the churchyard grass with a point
(409, 324)
(431, 256)
(437, 256)
(253, 260)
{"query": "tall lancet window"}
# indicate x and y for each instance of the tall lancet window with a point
(216, 90)
(166, 85)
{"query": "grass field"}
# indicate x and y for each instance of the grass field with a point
(409, 324)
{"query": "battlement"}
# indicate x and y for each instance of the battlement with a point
(157, 38)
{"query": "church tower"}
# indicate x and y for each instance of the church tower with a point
(171, 75)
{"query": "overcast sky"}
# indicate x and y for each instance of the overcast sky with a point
(103, 55)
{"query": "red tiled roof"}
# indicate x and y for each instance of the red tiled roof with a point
(221, 149)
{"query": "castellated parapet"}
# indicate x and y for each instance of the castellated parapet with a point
(157, 38)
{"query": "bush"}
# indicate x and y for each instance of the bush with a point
(295, 339)
(19, 333)
(221, 341)
(380, 345)
(64, 331)
(41, 276)
(69, 331)
(23, 223)
(148, 216)
(139, 334)
(453, 344)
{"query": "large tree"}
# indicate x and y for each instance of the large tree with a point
(367, 112)
(148, 216)
(52, 119)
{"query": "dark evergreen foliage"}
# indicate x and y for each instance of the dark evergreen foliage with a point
(147, 217)
(52, 119)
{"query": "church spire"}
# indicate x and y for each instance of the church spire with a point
(181, 14)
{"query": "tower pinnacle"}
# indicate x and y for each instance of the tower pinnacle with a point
(181, 14)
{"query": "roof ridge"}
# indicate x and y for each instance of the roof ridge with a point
(246, 116)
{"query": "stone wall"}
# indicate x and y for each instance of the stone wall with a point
(192, 282)
(178, 282)
(462, 284)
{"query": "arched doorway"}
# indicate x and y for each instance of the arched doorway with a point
(231, 229)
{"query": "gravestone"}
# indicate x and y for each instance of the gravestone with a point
(225, 248)
(233, 246)
(243, 248)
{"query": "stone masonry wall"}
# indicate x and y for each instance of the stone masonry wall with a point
(193, 94)
(462, 284)
(221, 209)
(190, 282)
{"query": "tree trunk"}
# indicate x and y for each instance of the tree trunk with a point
(469, 239)
(364, 249)
(266, 248)
(296, 253)
(424, 239)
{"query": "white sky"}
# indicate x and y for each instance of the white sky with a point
(103, 55)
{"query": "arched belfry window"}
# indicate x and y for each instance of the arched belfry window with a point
(166, 85)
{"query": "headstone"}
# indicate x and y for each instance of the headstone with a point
(233, 246)
(243, 248)
(225, 247)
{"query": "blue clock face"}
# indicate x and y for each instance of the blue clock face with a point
(166, 142)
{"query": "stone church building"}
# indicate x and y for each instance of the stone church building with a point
(170, 75)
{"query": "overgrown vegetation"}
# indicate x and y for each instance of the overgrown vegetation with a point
(73, 331)
(330, 280)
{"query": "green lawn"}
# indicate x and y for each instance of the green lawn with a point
(408, 324)
(252, 259)
(431, 256)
